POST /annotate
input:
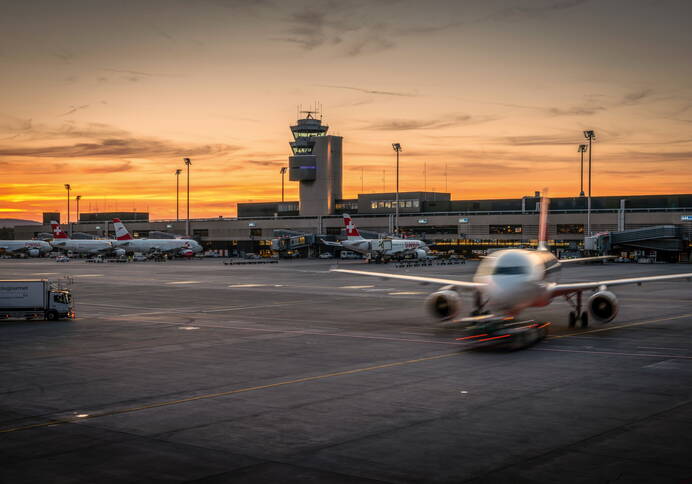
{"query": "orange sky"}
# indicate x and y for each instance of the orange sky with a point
(111, 98)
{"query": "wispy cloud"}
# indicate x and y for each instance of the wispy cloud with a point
(119, 147)
(74, 109)
(513, 12)
(436, 123)
(371, 91)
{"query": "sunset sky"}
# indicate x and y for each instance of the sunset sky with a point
(110, 96)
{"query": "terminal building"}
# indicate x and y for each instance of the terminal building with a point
(658, 227)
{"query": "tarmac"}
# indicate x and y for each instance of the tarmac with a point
(193, 371)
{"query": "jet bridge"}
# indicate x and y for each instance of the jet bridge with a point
(660, 237)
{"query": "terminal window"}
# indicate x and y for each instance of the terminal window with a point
(255, 232)
(392, 204)
(200, 232)
(505, 229)
(570, 228)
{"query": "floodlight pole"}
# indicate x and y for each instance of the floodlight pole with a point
(177, 194)
(590, 135)
(69, 229)
(78, 198)
(187, 224)
(283, 175)
(582, 149)
(397, 148)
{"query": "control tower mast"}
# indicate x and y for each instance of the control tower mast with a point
(316, 165)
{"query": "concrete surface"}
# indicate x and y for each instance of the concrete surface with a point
(192, 371)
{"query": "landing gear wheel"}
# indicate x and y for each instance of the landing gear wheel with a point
(584, 319)
(572, 319)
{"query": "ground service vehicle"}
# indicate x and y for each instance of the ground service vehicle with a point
(35, 298)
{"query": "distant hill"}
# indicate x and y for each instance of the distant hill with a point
(11, 222)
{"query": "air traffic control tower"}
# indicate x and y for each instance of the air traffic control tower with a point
(316, 165)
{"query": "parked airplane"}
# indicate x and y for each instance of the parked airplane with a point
(32, 248)
(510, 281)
(378, 249)
(182, 247)
(87, 246)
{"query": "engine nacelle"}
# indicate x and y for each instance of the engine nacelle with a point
(444, 304)
(421, 254)
(186, 253)
(603, 306)
(119, 252)
(34, 252)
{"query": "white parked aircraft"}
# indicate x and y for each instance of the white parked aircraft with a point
(181, 247)
(379, 249)
(32, 248)
(87, 246)
(509, 281)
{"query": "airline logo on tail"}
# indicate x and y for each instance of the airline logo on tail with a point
(121, 232)
(58, 232)
(351, 230)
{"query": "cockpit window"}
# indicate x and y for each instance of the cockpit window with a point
(510, 270)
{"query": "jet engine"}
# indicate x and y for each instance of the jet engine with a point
(421, 254)
(34, 252)
(186, 253)
(603, 306)
(119, 252)
(444, 304)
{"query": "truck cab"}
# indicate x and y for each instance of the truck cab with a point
(59, 305)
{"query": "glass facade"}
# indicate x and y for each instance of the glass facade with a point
(375, 204)
(570, 228)
(505, 229)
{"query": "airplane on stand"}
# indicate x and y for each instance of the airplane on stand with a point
(175, 247)
(31, 248)
(381, 250)
(510, 281)
(82, 246)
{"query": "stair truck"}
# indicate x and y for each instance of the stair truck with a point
(36, 298)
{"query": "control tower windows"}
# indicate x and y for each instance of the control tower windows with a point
(301, 150)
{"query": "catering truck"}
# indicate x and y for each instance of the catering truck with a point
(34, 299)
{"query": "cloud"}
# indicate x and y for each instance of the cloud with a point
(539, 140)
(529, 12)
(110, 168)
(119, 147)
(437, 123)
(575, 111)
(266, 162)
(371, 91)
(636, 97)
(74, 109)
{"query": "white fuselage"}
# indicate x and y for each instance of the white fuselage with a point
(158, 245)
(78, 246)
(383, 247)
(516, 279)
(25, 246)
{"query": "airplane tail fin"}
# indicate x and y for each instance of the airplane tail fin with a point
(121, 232)
(543, 222)
(58, 232)
(351, 230)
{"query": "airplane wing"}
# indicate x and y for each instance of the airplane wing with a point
(333, 244)
(465, 285)
(560, 289)
(587, 259)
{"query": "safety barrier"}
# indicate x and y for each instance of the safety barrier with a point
(245, 262)
(428, 263)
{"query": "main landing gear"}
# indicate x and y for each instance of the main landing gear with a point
(577, 314)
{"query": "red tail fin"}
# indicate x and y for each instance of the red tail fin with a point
(58, 232)
(351, 230)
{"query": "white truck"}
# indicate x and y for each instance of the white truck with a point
(36, 298)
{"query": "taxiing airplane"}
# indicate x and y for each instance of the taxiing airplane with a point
(512, 280)
(181, 247)
(378, 249)
(32, 248)
(87, 246)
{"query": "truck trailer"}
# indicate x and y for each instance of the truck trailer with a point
(35, 298)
